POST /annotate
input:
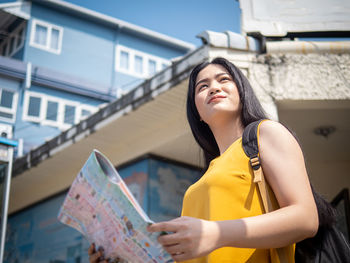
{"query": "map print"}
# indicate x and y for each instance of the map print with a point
(101, 207)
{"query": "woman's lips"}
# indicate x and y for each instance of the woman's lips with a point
(216, 97)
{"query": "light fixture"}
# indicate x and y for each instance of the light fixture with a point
(324, 131)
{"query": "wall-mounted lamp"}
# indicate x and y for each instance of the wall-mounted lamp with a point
(324, 131)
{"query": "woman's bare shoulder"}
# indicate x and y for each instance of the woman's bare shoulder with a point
(272, 132)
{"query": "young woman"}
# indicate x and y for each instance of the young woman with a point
(222, 216)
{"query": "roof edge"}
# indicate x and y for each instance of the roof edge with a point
(123, 24)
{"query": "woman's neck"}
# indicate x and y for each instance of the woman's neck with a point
(226, 133)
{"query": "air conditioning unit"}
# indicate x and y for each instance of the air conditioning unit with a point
(5, 131)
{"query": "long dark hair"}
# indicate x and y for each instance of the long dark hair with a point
(251, 107)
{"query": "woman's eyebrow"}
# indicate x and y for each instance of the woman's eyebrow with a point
(201, 81)
(220, 74)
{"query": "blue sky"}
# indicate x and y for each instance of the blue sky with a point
(182, 19)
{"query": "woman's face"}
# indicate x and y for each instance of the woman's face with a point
(216, 94)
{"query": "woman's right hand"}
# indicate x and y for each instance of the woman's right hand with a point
(96, 256)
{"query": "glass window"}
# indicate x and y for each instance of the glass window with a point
(152, 67)
(138, 65)
(124, 60)
(6, 99)
(54, 38)
(69, 114)
(52, 110)
(40, 35)
(34, 106)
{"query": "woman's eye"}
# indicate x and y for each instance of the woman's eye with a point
(225, 79)
(202, 87)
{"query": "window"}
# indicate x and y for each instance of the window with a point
(54, 39)
(40, 35)
(152, 67)
(124, 60)
(8, 105)
(46, 36)
(34, 106)
(69, 114)
(53, 111)
(7, 99)
(138, 67)
(13, 42)
(137, 63)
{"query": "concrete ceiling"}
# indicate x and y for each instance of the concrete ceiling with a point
(303, 117)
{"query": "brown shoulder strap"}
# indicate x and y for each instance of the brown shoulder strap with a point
(251, 148)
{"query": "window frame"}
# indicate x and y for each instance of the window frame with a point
(47, 46)
(13, 110)
(59, 123)
(133, 53)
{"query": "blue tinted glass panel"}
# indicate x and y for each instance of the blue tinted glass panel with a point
(138, 65)
(6, 99)
(34, 106)
(54, 39)
(52, 110)
(40, 35)
(124, 60)
(69, 114)
(152, 67)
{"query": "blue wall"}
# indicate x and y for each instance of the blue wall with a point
(35, 235)
(87, 47)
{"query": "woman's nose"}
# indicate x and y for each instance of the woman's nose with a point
(214, 90)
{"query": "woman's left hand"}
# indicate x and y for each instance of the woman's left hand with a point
(188, 238)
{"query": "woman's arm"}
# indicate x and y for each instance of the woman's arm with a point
(283, 164)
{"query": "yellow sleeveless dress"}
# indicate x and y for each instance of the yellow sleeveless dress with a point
(226, 191)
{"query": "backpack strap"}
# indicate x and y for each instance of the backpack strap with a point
(251, 149)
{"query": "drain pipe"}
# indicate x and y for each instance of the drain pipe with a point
(307, 47)
(240, 42)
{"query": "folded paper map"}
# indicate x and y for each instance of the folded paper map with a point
(101, 207)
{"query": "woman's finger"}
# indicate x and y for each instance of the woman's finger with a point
(169, 239)
(178, 257)
(173, 249)
(162, 226)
